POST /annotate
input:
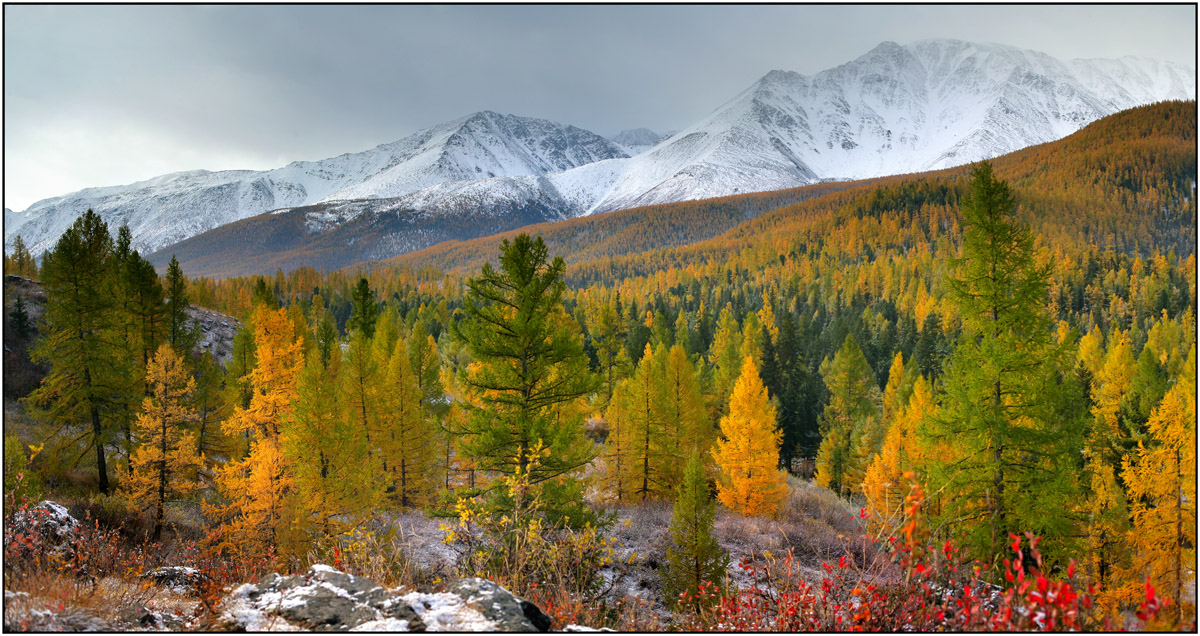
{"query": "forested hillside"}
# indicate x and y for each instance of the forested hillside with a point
(995, 366)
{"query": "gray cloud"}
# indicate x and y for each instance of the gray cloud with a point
(102, 95)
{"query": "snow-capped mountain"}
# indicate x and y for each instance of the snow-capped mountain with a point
(170, 208)
(637, 140)
(926, 105)
(12, 219)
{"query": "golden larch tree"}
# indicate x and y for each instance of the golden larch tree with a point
(1161, 477)
(747, 452)
(165, 465)
(1105, 506)
(884, 485)
(257, 514)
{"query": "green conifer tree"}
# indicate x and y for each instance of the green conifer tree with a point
(181, 332)
(694, 557)
(854, 402)
(529, 361)
(90, 374)
(1006, 416)
(365, 309)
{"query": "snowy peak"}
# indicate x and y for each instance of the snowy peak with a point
(167, 209)
(479, 146)
(637, 140)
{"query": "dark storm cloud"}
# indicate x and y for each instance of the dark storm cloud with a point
(99, 95)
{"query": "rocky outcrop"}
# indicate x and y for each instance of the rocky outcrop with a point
(215, 330)
(49, 520)
(497, 604)
(178, 578)
(325, 599)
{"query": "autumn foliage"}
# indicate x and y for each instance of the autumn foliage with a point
(747, 452)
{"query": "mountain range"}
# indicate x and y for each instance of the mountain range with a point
(897, 109)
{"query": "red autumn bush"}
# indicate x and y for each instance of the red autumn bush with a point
(922, 587)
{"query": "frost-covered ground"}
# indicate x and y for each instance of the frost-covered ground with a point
(815, 524)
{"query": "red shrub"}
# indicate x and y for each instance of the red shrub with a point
(923, 588)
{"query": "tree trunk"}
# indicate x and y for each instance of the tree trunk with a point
(1178, 547)
(162, 485)
(101, 467)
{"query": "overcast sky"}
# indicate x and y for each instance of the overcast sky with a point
(108, 95)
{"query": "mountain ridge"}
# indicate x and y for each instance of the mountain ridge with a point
(895, 109)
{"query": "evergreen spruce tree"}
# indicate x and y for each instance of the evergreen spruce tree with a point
(683, 333)
(529, 360)
(365, 309)
(20, 319)
(853, 406)
(608, 336)
(327, 339)
(144, 297)
(210, 405)
(237, 375)
(694, 557)
(181, 333)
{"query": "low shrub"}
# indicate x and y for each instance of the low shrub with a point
(920, 587)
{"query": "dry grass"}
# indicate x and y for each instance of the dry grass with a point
(50, 601)
(400, 550)
(814, 523)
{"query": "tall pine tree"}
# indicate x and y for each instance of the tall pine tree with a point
(529, 360)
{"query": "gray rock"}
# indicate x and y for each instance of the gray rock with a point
(322, 599)
(510, 613)
(325, 599)
(178, 578)
(48, 519)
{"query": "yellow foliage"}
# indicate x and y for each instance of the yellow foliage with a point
(273, 379)
(165, 465)
(257, 515)
(1162, 486)
(1091, 351)
(884, 485)
(748, 451)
